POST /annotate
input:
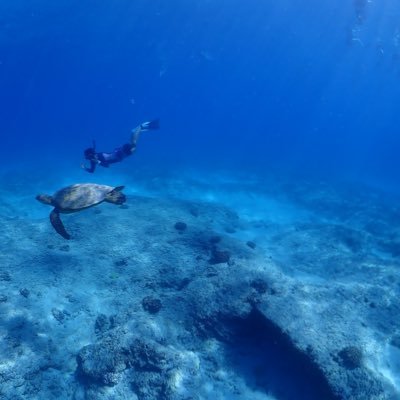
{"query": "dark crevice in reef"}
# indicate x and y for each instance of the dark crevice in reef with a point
(266, 357)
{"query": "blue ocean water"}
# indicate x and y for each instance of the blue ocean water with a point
(278, 150)
(248, 84)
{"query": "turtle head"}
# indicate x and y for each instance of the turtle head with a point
(45, 199)
(116, 196)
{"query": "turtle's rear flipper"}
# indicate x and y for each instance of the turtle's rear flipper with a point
(58, 225)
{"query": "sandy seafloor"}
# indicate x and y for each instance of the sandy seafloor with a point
(275, 290)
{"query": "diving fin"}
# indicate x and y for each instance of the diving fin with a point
(155, 124)
(58, 225)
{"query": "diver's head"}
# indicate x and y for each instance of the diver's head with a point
(89, 153)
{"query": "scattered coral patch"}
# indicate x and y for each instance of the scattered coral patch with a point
(219, 256)
(251, 244)
(180, 226)
(151, 304)
(350, 357)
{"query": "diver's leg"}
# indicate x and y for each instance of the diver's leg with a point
(145, 126)
(135, 136)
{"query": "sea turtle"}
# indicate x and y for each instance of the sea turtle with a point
(77, 197)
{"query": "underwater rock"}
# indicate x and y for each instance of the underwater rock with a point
(182, 283)
(123, 262)
(151, 304)
(169, 279)
(212, 325)
(24, 292)
(215, 239)
(180, 226)
(58, 314)
(395, 341)
(390, 246)
(352, 242)
(3, 298)
(149, 386)
(194, 212)
(102, 324)
(251, 244)
(65, 248)
(71, 298)
(101, 363)
(350, 357)
(145, 355)
(219, 256)
(259, 285)
(173, 282)
(154, 366)
(5, 276)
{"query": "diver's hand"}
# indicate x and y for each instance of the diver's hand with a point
(85, 168)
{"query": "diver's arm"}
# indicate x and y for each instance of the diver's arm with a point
(92, 167)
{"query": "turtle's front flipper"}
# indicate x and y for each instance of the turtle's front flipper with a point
(58, 225)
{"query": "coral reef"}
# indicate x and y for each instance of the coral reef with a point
(351, 357)
(142, 312)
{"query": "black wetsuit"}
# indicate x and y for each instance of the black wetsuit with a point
(106, 159)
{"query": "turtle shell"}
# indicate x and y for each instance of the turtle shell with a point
(80, 196)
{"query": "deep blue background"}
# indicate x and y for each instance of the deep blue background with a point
(244, 84)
